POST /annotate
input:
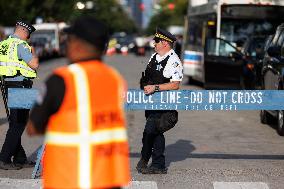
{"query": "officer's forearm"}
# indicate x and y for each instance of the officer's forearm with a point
(174, 85)
(143, 81)
(33, 64)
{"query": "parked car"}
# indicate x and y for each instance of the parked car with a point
(229, 65)
(125, 42)
(140, 45)
(272, 74)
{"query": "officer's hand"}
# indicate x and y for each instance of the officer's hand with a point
(149, 89)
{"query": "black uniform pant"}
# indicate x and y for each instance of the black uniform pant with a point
(12, 146)
(157, 122)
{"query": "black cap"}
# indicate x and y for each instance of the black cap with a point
(164, 35)
(26, 25)
(91, 30)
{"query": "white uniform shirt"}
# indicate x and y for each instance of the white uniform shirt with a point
(173, 67)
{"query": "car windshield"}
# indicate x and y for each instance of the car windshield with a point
(234, 30)
(124, 40)
(239, 22)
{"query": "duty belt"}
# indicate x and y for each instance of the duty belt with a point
(15, 64)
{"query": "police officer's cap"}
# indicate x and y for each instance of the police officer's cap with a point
(164, 35)
(90, 30)
(26, 25)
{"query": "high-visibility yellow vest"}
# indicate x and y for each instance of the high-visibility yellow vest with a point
(10, 64)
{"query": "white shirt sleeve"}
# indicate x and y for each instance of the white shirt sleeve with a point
(174, 69)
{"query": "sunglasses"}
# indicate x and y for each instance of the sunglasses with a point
(157, 40)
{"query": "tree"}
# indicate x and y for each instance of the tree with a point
(168, 15)
(108, 11)
(13, 10)
(112, 15)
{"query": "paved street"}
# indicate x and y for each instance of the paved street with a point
(206, 150)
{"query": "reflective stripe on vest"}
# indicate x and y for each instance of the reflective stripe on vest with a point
(84, 122)
(9, 60)
(86, 138)
(91, 138)
(12, 49)
(16, 65)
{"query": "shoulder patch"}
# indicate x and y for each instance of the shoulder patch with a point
(175, 64)
(24, 46)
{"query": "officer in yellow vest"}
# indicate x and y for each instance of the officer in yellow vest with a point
(18, 63)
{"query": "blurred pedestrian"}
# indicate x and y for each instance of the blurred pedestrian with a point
(178, 45)
(80, 111)
(18, 63)
(163, 72)
(240, 44)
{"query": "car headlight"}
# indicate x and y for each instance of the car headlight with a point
(124, 48)
(131, 45)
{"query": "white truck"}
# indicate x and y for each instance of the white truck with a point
(49, 39)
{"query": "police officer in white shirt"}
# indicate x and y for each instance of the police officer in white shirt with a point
(163, 73)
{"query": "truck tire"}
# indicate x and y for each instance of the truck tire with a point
(265, 117)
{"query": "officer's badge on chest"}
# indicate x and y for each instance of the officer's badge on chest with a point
(159, 67)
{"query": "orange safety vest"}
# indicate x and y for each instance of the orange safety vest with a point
(86, 140)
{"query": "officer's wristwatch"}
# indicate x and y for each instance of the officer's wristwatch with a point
(157, 88)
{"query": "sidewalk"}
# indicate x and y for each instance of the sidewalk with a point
(6, 183)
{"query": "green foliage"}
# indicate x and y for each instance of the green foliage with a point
(112, 15)
(107, 11)
(11, 11)
(166, 17)
(50, 10)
